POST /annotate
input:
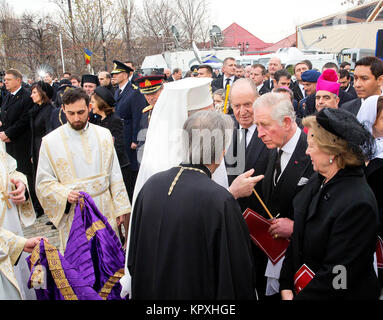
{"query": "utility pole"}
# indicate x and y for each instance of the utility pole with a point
(103, 36)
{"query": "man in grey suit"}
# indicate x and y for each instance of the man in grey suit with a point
(368, 76)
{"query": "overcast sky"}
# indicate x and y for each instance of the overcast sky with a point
(269, 20)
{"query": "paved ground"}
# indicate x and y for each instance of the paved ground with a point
(39, 228)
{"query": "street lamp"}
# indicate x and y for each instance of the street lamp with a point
(243, 47)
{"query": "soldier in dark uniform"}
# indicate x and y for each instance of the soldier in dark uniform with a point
(151, 87)
(129, 105)
(194, 70)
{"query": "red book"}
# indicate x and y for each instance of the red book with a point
(275, 249)
(302, 278)
(379, 252)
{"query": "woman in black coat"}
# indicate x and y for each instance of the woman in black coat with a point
(39, 121)
(335, 217)
(102, 103)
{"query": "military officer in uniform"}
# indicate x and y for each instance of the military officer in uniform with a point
(129, 105)
(151, 87)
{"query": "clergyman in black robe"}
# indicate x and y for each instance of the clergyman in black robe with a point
(189, 240)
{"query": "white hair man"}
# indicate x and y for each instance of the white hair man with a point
(288, 169)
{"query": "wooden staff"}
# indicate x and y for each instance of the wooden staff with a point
(263, 205)
(226, 99)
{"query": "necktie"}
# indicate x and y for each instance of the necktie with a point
(119, 92)
(278, 167)
(244, 136)
(227, 82)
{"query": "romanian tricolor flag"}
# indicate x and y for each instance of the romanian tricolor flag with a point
(88, 55)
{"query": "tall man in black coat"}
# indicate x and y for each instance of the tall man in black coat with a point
(129, 105)
(15, 130)
(288, 169)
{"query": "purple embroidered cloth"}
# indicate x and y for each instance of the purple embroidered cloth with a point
(93, 261)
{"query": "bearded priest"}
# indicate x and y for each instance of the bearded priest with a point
(79, 156)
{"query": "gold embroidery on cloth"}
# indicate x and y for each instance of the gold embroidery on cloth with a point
(63, 170)
(86, 148)
(108, 286)
(58, 273)
(107, 147)
(96, 226)
(69, 154)
(35, 256)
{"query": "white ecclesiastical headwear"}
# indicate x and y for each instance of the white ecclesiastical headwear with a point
(367, 116)
(163, 144)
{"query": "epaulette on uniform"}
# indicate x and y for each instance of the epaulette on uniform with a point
(134, 86)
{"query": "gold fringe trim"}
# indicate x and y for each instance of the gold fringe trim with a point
(109, 285)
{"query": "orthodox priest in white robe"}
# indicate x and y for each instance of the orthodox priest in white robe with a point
(13, 278)
(79, 156)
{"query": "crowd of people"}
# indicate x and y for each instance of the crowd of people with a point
(173, 159)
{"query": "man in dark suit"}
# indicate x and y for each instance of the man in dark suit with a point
(135, 74)
(129, 105)
(247, 150)
(368, 76)
(228, 78)
(15, 130)
(176, 75)
(297, 86)
(288, 170)
(257, 74)
(345, 83)
(274, 65)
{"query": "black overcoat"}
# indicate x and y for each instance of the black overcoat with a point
(335, 225)
(15, 124)
(191, 245)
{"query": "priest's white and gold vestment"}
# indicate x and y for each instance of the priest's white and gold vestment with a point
(80, 160)
(13, 279)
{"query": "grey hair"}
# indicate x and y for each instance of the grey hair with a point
(244, 81)
(206, 135)
(106, 73)
(280, 105)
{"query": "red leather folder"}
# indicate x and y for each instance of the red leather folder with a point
(302, 278)
(379, 252)
(275, 249)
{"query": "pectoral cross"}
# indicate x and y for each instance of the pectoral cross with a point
(6, 198)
